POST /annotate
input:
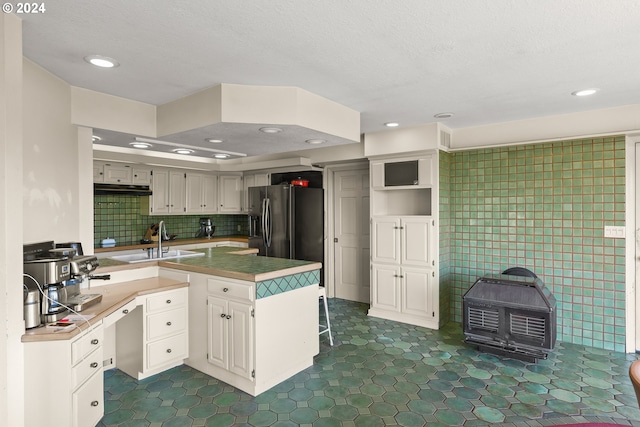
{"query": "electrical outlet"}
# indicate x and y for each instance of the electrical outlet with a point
(239, 227)
(614, 232)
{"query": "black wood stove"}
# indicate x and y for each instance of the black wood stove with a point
(510, 315)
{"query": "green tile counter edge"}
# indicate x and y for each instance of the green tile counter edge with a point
(271, 275)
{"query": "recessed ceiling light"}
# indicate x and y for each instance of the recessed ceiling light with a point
(315, 141)
(140, 145)
(221, 156)
(443, 115)
(183, 151)
(392, 124)
(584, 92)
(101, 61)
(213, 140)
(96, 138)
(270, 130)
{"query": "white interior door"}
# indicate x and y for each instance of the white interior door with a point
(351, 238)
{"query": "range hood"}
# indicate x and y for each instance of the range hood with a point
(126, 190)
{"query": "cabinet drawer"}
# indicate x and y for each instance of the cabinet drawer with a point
(119, 314)
(166, 323)
(87, 367)
(231, 290)
(87, 402)
(88, 341)
(166, 300)
(166, 350)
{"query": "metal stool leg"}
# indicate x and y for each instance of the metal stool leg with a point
(323, 296)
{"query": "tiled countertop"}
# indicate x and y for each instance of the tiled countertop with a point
(224, 261)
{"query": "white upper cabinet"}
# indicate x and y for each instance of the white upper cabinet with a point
(141, 175)
(253, 180)
(201, 193)
(118, 174)
(168, 188)
(403, 173)
(230, 191)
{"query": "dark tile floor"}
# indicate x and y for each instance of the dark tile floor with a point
(387, 373)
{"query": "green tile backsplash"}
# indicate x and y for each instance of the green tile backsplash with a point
(119, 217)
(543, 207)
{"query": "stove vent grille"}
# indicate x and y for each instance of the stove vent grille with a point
(484, 319)
(532, 327)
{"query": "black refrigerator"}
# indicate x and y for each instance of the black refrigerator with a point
(287, 221)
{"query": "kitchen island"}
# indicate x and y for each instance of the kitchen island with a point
(253, 321)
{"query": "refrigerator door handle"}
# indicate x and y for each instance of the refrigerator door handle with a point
(263, 222)
(268, 222)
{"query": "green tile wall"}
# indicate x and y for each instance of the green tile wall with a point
(119, 217)
(543, 207)
(445, 235)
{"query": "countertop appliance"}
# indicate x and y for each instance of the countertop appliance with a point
(206, 228)
(49, 274)
(287, 221)
(81, 268)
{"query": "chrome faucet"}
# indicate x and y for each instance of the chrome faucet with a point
(162, 234)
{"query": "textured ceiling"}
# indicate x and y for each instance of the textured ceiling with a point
(484, 60)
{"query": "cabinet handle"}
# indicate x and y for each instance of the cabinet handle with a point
(95, 403)
(168, 350)
(168, 323)
(168, 301)
(228, 316)
(166, 206)
(94, 365)
(125, 311)
(225, 289)
(94, 341)
(223, 315)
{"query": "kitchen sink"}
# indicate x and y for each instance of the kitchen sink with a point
(143, 257)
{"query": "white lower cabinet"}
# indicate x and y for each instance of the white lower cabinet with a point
(404, 284)
(405, 294)
(230, 336)
(74, 397)
(248, 342)
(154, 336)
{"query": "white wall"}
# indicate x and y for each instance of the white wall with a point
(50, 149)
(11, 323)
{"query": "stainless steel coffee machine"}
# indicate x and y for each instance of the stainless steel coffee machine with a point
(47, 275)
(206, 228)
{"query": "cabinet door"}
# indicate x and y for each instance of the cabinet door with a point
(230, 193)
(262, 179)
(88, 402)
(177, 189)
(385, 287)
(240, 339)
(98, 172)
(194, 183)
(141, 176)
(417, 292)
(160, 190)
(118, 174)
(385, 239)
(210, 194)
(249, 181)
(217, 332)
(416, 241)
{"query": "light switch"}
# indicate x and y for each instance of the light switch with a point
(614, 232)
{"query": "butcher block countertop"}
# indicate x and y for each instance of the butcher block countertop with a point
(113, 297)
(224, 261)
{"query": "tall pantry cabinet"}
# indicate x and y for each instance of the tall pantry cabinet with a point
(404, 239)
